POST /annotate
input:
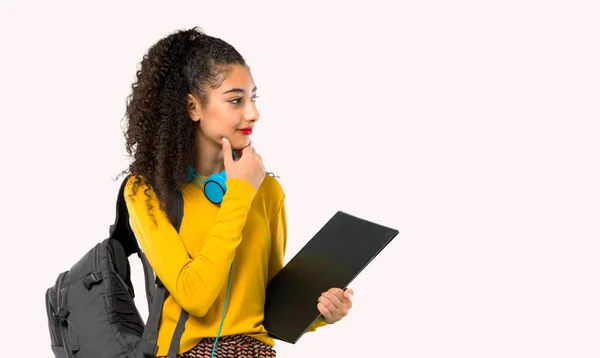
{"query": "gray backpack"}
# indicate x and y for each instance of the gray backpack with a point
(91, 309)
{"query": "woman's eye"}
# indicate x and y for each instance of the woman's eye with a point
(239, 100)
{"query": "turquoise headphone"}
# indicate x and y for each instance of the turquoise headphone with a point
(214, 186)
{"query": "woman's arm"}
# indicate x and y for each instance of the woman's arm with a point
(194, 282)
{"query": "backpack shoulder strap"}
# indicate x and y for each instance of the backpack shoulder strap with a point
(156, 298)
(120, 230)
(176, 217)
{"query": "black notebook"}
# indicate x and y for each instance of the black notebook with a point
(337, 253)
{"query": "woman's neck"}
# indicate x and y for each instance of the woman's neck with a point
(209, 157)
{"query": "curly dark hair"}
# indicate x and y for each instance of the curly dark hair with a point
(160, 136)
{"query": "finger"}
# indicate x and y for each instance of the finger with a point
(325, 312)
(336, 312)
(340, 294)
(226, 150)
(247, 151)
(335, 299)
(257, 156)
(341, 304)
(327, 303)
(348, 297)
(349, 293)
(260, 161)
(345, 303)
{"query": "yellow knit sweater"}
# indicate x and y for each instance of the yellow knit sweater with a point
(248, 226)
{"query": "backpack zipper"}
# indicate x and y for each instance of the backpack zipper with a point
(63, 324)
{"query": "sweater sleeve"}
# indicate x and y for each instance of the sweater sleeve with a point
(193, 282)
(278, 246)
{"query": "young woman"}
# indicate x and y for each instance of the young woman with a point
(191, 108)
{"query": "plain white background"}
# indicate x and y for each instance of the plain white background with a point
(470, 126)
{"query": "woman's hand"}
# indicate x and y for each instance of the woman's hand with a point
(248, 168)
(335, 304)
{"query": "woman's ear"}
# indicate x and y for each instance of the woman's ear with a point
(194, 108)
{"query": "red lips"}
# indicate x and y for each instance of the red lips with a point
(246, 131)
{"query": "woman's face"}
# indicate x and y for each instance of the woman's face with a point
(230, 111)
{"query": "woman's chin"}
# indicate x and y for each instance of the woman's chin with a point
(240, 143)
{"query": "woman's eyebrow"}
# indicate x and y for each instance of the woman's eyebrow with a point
(238, 90)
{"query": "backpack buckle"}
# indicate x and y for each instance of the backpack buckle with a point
(92, 279)
(61, 315)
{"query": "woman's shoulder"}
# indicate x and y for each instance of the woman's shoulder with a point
(272, 188)
(271, 195)
(136, 186)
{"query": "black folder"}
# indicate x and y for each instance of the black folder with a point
(334, 257)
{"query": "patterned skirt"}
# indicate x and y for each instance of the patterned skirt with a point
(236, 346)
